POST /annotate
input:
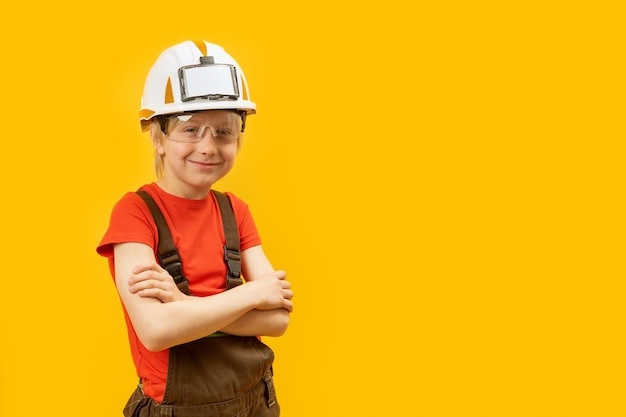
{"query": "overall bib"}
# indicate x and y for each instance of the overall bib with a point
(216, 376)
(223, 376)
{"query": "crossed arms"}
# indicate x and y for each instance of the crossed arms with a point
(163, 317)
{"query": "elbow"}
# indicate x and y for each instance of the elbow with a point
(154, 346)
(280, 326)
(153, 340)
(283, 325)
(278, 332)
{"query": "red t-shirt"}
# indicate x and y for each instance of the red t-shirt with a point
(196, 227)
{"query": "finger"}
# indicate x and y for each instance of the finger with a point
(147, 284)
(280, 274)
(148, 275)
(151, 266)
(162, 296)
(149, 292)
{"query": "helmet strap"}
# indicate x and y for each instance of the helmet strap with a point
(243, 121)
(163, 123)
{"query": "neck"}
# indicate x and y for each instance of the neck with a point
(184, 190)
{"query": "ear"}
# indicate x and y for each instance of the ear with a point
(158, 147)
(157, 138)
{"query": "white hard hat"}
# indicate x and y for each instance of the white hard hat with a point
(193, 76)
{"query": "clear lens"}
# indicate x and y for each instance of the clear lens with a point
(191, 128)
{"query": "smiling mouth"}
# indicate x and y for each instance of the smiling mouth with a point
(206, 164)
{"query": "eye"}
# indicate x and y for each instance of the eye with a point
(222, 131)
(189, 130)
(225, 135)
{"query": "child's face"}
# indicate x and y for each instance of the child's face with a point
(198, 151)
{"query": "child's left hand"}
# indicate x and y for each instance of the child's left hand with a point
(155, 282)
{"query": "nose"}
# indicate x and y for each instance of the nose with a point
(207, 144)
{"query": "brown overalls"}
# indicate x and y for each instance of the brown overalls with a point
(227, 376)
(218, 376)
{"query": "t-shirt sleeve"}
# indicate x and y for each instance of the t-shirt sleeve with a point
(130, 222)
(248, 233)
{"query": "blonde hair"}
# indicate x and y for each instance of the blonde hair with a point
(158, 137)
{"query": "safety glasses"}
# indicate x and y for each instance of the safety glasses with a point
(186, 128)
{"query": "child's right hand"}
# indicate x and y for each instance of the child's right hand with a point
(155, 282)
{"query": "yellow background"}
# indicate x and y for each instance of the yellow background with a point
(443, 184)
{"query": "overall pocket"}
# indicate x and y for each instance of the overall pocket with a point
(138, 405)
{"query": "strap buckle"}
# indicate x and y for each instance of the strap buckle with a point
(171, 262)
(233, 262)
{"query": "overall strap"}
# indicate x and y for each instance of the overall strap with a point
(167, 251)
(232, 253)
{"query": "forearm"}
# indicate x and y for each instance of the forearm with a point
(256, 322)
(163, 325)
(260, 323)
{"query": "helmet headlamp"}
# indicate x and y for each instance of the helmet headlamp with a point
(208, 80)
